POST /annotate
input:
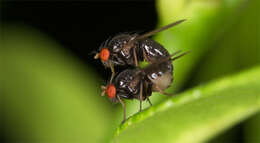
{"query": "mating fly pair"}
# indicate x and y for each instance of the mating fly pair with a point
(137, 83)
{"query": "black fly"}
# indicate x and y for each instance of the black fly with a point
(130, 49)
(140, 83)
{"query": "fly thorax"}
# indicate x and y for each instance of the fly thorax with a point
(126, 51)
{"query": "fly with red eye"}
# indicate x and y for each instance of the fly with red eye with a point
(130, 49)
(140, 83)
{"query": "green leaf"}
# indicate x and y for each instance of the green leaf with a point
(50, 96)
(238, 49)
(207, 21)
(203, 26)
(197, 114)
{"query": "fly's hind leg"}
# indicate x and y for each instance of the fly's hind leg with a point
(141, 96)
(123, 105)
(149, 101)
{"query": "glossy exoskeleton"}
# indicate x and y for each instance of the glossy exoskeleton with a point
(130, 49)
(140, 83)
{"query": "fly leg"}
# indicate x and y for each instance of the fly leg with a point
(141, 96)
(112, 70)
(149, 101)
(135, 57)
(123, 105)
(147, 93)
(103, 88)
(131, 44)
(145, 57)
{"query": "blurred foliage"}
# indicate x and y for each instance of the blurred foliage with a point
(50, 96)
(210, 25)
(223, 37)
(252, 129)
(237, 49)
(197, 33)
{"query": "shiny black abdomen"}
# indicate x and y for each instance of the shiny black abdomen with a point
(128, 83)
(153, 50)
(148, 48)
(123, 84)
(157, 70)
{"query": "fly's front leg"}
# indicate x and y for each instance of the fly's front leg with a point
(103, 88)
(112, 70)
(123, 105)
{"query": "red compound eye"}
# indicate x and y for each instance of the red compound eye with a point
(111, 91)
(104, 54)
